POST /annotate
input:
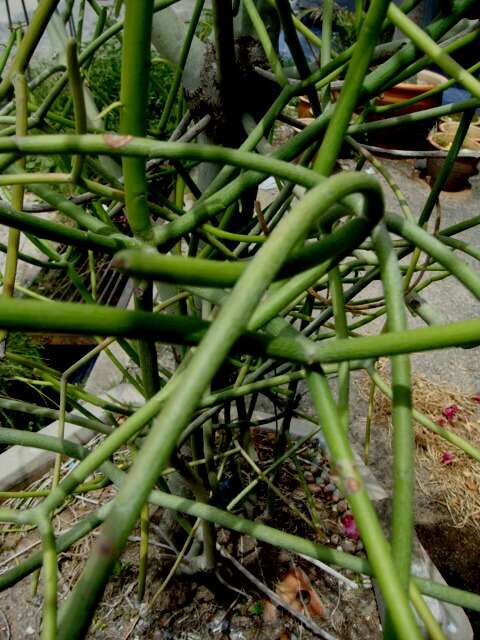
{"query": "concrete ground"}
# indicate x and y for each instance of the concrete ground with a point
(459, 367)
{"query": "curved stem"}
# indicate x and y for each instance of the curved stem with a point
(160, 442)
(373, 538)
(421, 39)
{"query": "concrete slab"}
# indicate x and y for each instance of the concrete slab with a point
(19, 466)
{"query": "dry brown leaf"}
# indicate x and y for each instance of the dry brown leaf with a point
(292, 590)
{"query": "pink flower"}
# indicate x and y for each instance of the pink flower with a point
(476, 398)
(350, 527)
(450, 412)
(441, 422)
(447, 457)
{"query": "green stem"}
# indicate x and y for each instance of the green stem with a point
(28, 44)
(379, 556)
(49, 622)
(421, 39)
(447, 166)
(11, 261)
(425, 421)
(437, 250)
(7, 49)
(161, 440)
(62, 317)
(352, 87)
(265, 41)
(76, 89)
(44, 412)
(187, 43)
(403, 436)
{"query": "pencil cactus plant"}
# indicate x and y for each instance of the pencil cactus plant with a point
(243, 300)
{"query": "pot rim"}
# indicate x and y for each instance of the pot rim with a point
(464, 153)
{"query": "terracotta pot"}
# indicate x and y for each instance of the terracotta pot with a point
(412, 136)
(449, 127)
(463, 168)
(408, 136)
(427, 80)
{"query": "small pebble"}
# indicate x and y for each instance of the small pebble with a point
(308, 475)
(330, 488)
(342, 506)
(336, 496)
(335, 539)
(359, 546)
(319, 480)
(334, 508)
(314, 488)
(325, 476)
(349, 546)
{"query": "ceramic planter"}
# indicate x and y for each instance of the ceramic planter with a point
(466, 163)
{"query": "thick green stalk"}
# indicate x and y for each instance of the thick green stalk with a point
(349, 97)
(62, 317)
(11, 261)
(7, 49)
(76, 89)
(221, 274)
(29, 43)
(437, 250)
(327, 18)
(378, 551)
(176, 413)
(403, 436)
(133, 148)
(177, 80)
(49, 621)
(421, 39)
(133, 95)
(460, 245)
(447, 165)
(265, 41)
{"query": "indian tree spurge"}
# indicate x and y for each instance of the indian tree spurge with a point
(236, 288)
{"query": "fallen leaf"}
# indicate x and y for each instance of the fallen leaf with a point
(269, 611)
(292, 590)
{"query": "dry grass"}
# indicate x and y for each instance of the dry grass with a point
(455, 483)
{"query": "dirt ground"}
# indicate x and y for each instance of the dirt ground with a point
(224, 605)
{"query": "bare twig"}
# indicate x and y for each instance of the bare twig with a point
(197, 128)
(6, 626)
(307, 622)
(19, 553)
(330, 571)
